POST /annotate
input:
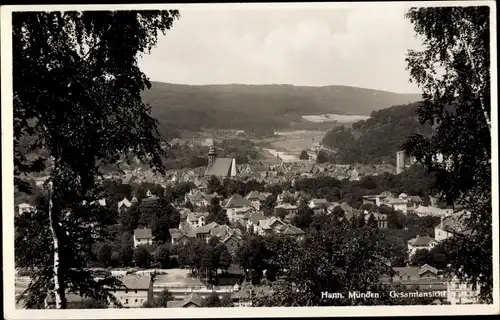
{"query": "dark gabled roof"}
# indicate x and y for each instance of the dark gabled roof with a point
(221, 167)
(256, 216)
(191, 298)
(143, 233)
(292, 230)
(237, 201)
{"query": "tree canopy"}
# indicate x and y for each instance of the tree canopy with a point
(77, 93)
(453, 71)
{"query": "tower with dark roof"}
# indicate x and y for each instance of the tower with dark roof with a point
(212, 154)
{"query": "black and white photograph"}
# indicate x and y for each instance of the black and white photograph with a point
(259, 158)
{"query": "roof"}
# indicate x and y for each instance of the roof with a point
(319, 201)
(143, 233)
(253, 195)
(286, 206)
(221, 167)
(386, 194)
(454, 223)
(257, 216)
(134, 281)
(207, 228)
(415, 198)
(414, 271)
(192, 298)
(351, 213)
(390, 200)
(237, 201)
(292, 230)
(268, 223)
(421, 241)
(221, 231)
(125, 203)
(346, 207)
(174, 233)
(25, 205)
(431, 210)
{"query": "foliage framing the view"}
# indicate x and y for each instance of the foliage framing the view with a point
(77, 90)
(453, 71)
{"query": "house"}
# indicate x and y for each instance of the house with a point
(423, 211)
(25, 207)
(232, 242)
(199, 199)
(184, 237)
(256, 199)
(449, 225)
(150, 196)
(192, 300)
(426, 278)
(253, 220)
(289, 209)
(285, 196)
(270, 225)
(294, 232)
(236, 207)
(414, 201)
(124, 204)
(396, 203)
(196, 220)
(175, 234)
(420, 243)
(135, 291)
(243, 294)
(220, 167)
(318, 203)
(462, 292)
(203, 232)
(379, 217)
(142, 236)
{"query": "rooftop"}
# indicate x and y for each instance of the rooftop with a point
(143, 233)
(421, 241)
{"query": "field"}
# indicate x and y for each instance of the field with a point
(331, 117)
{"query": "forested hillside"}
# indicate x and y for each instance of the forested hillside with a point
(253, 107)
(376, 139)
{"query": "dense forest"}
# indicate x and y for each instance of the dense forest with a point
(258, 107)
(377, 139)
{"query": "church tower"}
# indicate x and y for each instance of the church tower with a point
(211, 155)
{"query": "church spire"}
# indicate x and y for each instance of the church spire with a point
(211, 154)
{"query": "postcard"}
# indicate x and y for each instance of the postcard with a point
(272, 160)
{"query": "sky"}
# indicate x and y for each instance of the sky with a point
(361, 47)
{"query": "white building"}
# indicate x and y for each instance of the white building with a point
(420, 243)
(461, 292)
(25, 207)
(135, 293)
(423, 211)
(237, 206)
(143, 237)
(396, 203)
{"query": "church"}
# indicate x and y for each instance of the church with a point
(220, 167)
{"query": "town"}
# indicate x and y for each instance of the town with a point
(256, 157)
(192, 240)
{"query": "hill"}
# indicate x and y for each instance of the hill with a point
(250, 107)
(377, 139)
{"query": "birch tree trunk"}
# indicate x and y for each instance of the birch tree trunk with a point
(56, 252)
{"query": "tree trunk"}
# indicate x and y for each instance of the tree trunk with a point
(59, 292)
